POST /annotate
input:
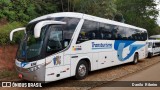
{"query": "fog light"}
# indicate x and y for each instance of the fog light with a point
(35, 77)
(20, 76)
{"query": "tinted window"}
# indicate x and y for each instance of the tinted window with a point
(113, 32)
(121, 33)
(69, 27)
(157, 44)
(60, 35)
(89, 31)
(139, 35)
(105, 31)
(144, 35)
(55, 39)
(134, 34)
(129, 33)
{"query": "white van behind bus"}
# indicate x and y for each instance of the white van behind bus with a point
(153, 48)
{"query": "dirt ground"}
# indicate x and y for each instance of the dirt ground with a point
(7, 57)
(101, 77)
(94, 79)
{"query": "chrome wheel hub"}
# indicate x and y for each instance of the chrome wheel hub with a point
(82, 70)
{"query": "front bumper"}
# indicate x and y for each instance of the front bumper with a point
(37, 75)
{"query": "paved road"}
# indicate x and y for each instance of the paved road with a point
(149, 74)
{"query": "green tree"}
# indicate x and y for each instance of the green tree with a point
(25, 10)
(101, 8)
(43, 7)
(141, 13)
(17, 10)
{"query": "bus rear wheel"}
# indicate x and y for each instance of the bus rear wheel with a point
(135, 59)
(150, 55)
(81, 70)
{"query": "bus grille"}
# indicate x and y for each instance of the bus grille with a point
(22, 69)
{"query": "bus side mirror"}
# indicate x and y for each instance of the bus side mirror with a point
(66, 43)
(16, 30)
(40, 25)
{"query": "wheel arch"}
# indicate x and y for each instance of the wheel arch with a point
(137, 54)
(88, 62)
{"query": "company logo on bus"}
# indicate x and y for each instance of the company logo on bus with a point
(23, 64)
(101, 45)
(57, 60)
(121, 44)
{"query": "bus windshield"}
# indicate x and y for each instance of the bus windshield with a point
(57, 39)
(30, 46)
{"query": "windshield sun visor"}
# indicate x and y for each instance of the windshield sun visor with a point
(38, 26)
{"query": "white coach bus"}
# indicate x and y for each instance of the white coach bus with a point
(66, 44)
(153, 48)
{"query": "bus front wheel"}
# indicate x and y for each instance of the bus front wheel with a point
(135, 59)
(81, 70)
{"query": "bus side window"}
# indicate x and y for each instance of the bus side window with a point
(68, 29)
(54, 43)
(153, 46)
(105, 31)
(89, 31)
(122, 33)
(157, 44)
(119, 33)
(114, 33)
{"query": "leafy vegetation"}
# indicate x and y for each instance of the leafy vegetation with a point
(25, 10)
(7, 73)
(141, 13)
(5, 30)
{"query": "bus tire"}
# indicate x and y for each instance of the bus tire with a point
(81, 70)
(135, 59)
(150, 55)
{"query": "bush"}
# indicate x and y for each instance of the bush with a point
(25, 10)
(5, 31)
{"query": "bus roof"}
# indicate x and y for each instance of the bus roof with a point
(85, 16)
(155, 36)
(153, 40)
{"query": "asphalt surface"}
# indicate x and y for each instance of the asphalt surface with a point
(149, 74)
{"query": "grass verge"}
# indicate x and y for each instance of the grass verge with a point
(8, 75)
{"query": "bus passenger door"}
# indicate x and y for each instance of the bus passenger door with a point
(95, 57)
(105, 59)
